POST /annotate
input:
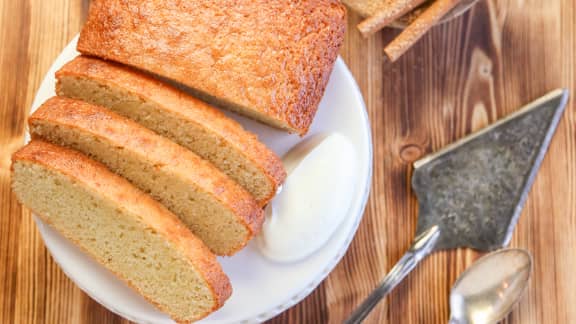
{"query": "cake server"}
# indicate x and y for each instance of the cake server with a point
(471, 192)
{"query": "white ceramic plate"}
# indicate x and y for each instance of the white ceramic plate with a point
(262, 289)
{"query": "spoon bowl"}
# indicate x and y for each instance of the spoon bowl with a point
(488, 290)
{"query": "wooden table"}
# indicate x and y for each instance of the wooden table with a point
(461, 76)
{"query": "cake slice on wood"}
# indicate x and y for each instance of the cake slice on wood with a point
(121, 227)
(269, 60)
(218, 210)
(172, 113)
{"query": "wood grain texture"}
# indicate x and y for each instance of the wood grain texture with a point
(461, 76)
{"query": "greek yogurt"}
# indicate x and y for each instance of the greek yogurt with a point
(314, 199)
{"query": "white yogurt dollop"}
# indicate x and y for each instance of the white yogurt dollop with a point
(314, 199)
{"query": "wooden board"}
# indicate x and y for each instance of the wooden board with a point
(461, 76)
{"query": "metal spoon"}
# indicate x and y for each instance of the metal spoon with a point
(488, 290)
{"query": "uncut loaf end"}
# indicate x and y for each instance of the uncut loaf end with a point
(268, 60)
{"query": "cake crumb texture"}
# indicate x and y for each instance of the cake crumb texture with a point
(217, 210)
(122, 228)
(170, 112)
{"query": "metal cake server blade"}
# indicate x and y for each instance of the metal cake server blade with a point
(475, 188)
(471, 192)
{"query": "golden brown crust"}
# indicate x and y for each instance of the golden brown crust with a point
(162, 152)
(186, 106)
(97, 178)
(272, 57)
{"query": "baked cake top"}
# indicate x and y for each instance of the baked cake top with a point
(270, 60)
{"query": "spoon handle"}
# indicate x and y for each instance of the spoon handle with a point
(421, 247)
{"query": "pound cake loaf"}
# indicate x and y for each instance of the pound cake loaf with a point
(121, 227)
(172, 113)
(269, 60)
(217, 209)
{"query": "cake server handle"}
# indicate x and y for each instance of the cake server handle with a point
(422, 246)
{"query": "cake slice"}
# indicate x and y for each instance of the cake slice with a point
(124, 229)
(174, 114)
(217, 209)
(269, 60)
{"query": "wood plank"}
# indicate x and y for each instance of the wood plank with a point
(460, 77)
(12, 83)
